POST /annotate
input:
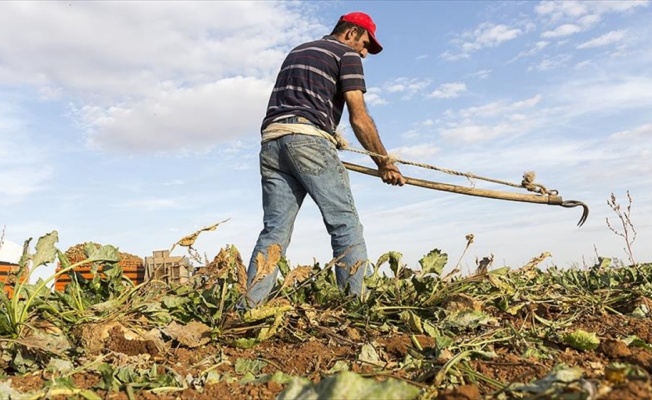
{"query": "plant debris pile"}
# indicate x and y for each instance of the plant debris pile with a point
(502, 333)
(77, 253)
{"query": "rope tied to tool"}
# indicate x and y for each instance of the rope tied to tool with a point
(527, 182)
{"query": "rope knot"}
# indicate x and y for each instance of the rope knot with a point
(340, 141)
(528, 183)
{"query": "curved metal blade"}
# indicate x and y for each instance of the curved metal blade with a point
(575, 203)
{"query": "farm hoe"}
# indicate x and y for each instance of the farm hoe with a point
(550, 198)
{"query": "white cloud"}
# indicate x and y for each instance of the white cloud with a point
(536, 49)
(195, 118)
(10, 251)
(448, 90)
(590, 20)
(579, 16)
(489, 35)
(482, 74)
(553, 62)
(485, 35)
(639, 132)
(417, 152)
(153, 76)
(374, 97)
(499, 108)
(562, 31)
(558, 10)
(154, 204)
(470, 132)
(603, 40)
(407, 86)
(24, 166)
(599, 95)
(492, 120)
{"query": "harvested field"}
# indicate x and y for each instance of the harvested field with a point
(498, 334)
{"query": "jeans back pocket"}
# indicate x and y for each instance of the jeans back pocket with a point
(309, 156)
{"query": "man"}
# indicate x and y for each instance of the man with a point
(298, 154)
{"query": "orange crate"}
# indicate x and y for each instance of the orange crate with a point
(136, 275)
(7, 270)
(132, 267)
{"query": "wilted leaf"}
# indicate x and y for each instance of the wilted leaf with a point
(192, 335)
(340, 365)
(469, 319)
(369, 355)
(582, 340)
(267, 265)
(349, 386)
(297, 275)
(9, 393)
(434, 262)
(269, 331)
(188, 241)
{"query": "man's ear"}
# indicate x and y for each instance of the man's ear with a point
(350, 33)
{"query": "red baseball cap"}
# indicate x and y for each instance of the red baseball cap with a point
(364, 21)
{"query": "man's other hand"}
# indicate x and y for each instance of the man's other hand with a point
(390, 174)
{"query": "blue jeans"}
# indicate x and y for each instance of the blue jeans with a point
(291, 167)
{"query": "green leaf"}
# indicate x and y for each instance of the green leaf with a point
(582, 340)
(59, 365)
(434, 262)
(46, 252)
(172, 302)
(551, 383)
(340, 365)
(24, 258)
(431, 330)
(243, 366)
(394, 259)
(244, 343)
(283, 267)
(412, 320)
(257, 314)
(106, 253)
(635, 341)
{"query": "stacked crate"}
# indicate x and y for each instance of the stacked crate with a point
(8, 276)
(169, 269)
(132, 267)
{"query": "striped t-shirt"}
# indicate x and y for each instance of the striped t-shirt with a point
(312, 82)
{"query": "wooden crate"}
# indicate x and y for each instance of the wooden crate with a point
(169, 269)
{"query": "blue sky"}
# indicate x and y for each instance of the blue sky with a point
(137, 123)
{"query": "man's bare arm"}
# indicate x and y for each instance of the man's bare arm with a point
(367, 134)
